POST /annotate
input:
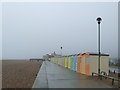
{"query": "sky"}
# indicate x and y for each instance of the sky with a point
(0, 31)
(59, 0)
(119, 31)
(31, 30)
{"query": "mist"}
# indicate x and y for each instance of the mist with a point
(31, 30)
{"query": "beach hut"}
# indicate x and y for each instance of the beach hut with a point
(90, 63)
(60, 60)
(79, 59)
(72, 62)
(56, 59)
(83, 63)
(69, 61)
(52, 59)
(75, 59)
(63, 61)
(66, 61)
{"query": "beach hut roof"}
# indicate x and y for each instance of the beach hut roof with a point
(79, 54)
(92, 53)
(73, 55)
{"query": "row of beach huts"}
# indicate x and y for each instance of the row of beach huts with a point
(84, 63)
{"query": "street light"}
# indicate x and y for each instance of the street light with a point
(61, 51)
(99, 21)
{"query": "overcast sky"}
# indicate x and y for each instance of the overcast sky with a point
(31, 30)
(0, 31)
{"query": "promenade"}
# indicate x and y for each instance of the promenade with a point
(54, 76)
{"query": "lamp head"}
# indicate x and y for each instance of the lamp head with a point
(99, 20)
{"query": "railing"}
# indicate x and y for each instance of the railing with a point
(106, 76)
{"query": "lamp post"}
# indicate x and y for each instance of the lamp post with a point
(61, 51)
(99, 21)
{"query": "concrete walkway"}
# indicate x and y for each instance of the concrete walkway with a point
(54, 76)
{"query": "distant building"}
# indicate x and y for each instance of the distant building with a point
(48, 56)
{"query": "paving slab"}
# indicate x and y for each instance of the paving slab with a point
(54, 76)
